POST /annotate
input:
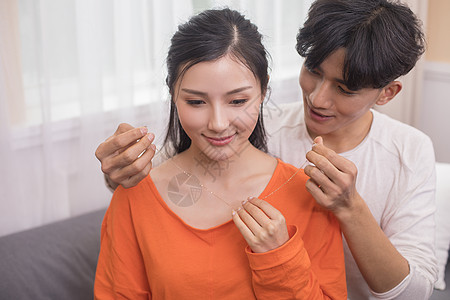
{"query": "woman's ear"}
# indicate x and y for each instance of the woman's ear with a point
(389, 92)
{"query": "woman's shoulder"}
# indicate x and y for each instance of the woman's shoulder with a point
(162, 171)
(288, 179)
(286, 169)
(171, 166)
(143, 187)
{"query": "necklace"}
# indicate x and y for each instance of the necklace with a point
(190, 175)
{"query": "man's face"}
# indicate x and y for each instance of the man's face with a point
(331, 109)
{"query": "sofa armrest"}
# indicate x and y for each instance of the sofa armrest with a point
(55, 261)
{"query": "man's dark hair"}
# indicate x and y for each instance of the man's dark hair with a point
(383, 39)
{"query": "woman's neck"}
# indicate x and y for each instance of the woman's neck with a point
(215, 187)
(197, 162)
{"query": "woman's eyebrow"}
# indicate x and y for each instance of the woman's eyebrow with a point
(199, 93)
(194, 92)
(238, 90)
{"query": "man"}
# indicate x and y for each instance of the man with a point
(374, 173)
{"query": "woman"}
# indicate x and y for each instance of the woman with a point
(191, 230)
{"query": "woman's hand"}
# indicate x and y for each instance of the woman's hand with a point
(263, 226)
(126, 156)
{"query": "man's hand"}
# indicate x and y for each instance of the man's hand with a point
(332, 179)
(126, 156)
(263, 226)
(332, 183)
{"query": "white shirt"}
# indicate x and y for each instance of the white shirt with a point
(396, 178)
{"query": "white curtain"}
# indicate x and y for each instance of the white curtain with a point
(72, 70)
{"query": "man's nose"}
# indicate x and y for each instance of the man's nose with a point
(321, 97)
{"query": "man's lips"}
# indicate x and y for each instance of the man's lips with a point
(220, 141)
(318, 116)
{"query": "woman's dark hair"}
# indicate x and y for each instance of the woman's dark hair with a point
(209, 36)
(383, 39)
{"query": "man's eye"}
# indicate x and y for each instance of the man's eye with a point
(342, 90)
(195, 102)
(312, 71)
(239, 101)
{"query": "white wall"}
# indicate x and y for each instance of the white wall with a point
(434, 112)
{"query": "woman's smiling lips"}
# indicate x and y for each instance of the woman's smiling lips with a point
(220, 141)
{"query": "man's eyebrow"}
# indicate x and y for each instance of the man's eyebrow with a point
(199, 93)
(340, 81)
(335, 79)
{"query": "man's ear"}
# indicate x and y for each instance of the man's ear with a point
(389, 92)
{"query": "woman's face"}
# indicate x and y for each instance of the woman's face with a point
(218, 106)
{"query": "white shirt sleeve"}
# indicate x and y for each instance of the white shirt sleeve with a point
(399, 187)
(414, 286)
(410, 225)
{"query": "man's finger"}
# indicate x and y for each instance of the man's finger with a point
(341, 163)
(123, 140)
(133, 151)
(313, 188)
(318, 140)
(123, 127)
(135, 179)
(118, 143)
(132, 161)
(322, 165)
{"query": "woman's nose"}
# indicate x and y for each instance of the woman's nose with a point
(218, 120)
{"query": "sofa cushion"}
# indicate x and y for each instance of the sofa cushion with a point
(442, 220)
(55, 261)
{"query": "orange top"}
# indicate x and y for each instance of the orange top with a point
(148, 252)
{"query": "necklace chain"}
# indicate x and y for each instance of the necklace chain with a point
(223, 200)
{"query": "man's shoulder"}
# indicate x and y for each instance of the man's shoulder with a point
(391, 129)
(277, 116)
(283, 111)
(406, 144)
(286, 130)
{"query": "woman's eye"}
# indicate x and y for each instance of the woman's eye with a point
(239, 101)
(195, 102)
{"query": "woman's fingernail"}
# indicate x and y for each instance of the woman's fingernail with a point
(144, 130)
(233, 212)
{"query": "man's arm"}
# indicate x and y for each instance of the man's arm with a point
(126, 156)
(332, 184)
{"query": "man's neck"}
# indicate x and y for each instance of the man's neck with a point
(349, 137)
